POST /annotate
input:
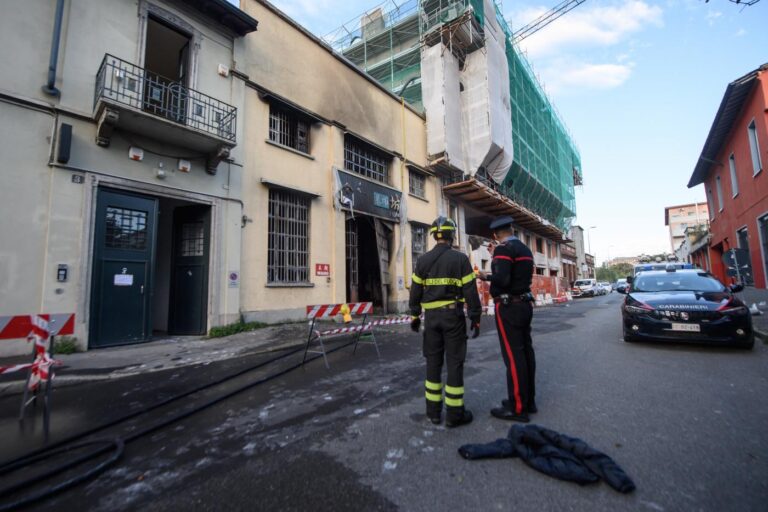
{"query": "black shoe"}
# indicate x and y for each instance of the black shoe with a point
(464, 419)
(532, 409)
(436, 420)
(506, 414)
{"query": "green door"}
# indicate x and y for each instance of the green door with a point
(188, 313)
(123, 254)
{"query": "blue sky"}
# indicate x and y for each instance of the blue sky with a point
(637, 82)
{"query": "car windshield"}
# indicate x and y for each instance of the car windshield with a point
(673, 281)
(582, 283)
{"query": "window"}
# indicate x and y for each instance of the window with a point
(417, 184)
(710, 204)
(539, 245)
(734, 180)
(288, 129)
(719, 187)
(528, 240)
(754, 147)
(288, 244)
(418, 242)
(126, 229)
(366, 160)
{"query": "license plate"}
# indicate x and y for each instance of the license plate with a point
(686, 327)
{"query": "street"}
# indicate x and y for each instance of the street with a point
(687, 423)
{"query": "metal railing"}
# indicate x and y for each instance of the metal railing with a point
(124, 83)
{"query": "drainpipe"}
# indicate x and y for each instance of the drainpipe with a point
(50, 86)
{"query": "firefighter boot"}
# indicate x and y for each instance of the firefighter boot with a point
(458, 418)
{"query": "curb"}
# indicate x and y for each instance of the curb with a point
(763, 335)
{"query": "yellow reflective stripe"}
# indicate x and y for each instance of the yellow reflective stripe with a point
(437, 304)
(468, 278)
(416, 279)
(433, 397)
(442, 281)
(434, 386)
(453, 390)
(444, 228)
(454, 402)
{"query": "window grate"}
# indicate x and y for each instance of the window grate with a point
(352, 253)
(192, 239)
(417, 184)
(418, 243)
(288, 129)
(288, 244)
(366, 161)
(126, 229)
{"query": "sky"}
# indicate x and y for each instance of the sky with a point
(637, 82)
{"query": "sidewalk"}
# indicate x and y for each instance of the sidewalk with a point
(759, 297)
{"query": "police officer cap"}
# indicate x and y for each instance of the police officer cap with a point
(501, 222)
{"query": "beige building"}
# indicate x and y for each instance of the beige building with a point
(680, 218)
(123, 165)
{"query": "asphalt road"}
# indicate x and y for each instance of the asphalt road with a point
(687, 423)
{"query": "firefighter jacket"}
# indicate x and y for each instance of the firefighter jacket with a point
(511, 268)
(444, 277)
(554, 454)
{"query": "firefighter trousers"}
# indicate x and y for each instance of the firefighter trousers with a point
(513, 322)
(445, 339)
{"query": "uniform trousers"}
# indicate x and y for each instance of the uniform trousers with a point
(445, 339)
(513, 322)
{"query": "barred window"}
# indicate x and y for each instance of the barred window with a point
(418, 242)
(366, 160)
(417, 184)
(288, 245)
(288, 129)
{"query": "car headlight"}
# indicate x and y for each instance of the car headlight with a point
(637, 310)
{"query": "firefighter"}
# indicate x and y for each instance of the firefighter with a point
(442, 283)
(511, 275)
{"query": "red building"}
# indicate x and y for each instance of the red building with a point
(732, 168)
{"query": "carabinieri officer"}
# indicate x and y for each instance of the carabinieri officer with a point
(511, 275)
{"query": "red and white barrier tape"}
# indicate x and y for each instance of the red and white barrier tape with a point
(329, 310)
(40, 367)
(365, 327)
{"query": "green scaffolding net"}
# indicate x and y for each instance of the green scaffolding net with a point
(386, 43)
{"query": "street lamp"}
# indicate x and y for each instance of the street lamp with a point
(589, 245)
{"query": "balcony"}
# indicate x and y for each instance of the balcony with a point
(135, 100)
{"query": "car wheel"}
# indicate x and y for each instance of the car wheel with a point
(629, 338)
(749, 344)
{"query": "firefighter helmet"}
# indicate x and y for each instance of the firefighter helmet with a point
(443, 227)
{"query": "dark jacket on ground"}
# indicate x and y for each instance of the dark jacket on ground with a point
(554, 454)
(443, 276)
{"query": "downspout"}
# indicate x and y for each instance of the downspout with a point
(406, 283)
(50, 86)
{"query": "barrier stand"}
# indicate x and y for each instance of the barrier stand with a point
(39, 329)
(330, 311)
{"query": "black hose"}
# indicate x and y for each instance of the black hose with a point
(119, 443)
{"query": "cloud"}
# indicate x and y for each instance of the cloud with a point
(740, 33)
(568, 76)
(588, 27)
(712, 16)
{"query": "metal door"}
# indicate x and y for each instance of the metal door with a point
(188, 312)
(123, 256)
(763, 225)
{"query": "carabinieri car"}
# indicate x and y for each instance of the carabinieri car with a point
(685, 305)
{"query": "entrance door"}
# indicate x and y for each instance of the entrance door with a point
(188, 312)
(123, 254)
(763, 225)
(745, 262)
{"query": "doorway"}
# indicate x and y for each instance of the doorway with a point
(167, 62)
(367, 271)
(150, 268)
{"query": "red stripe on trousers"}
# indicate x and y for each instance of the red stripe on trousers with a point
(512, 367)
(524, 258)
(501, 257)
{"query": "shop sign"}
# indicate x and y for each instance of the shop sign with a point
(323, 269)
(365, 196)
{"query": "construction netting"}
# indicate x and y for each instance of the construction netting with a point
(386, 42)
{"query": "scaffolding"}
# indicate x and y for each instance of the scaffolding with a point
(386, 42)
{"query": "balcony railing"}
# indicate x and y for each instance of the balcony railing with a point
(126, 84)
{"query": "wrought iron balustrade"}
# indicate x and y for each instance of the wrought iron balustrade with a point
(126, 84)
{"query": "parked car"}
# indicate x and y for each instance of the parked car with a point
(621, 285)
(606, 287)
(685, 305)
(584, 288)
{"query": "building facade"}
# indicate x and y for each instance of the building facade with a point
(731, 169)
(682, 217)
(123, 162)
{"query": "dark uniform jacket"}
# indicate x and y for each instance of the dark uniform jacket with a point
(554, 454)
(511, 268)
(443, 277)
